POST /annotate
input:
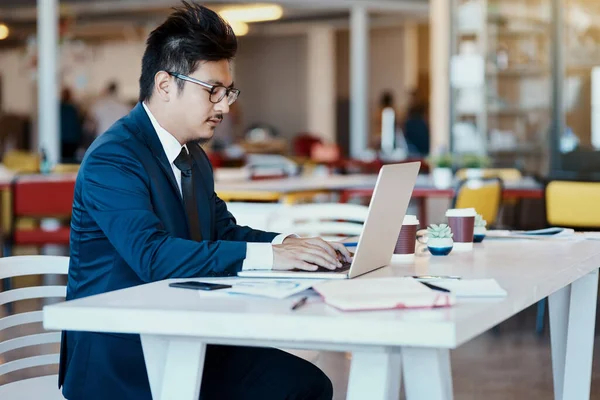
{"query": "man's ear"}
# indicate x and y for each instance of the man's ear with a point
(164, 86)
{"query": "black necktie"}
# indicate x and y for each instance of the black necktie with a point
(183, 162)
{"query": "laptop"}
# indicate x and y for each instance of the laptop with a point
(380, 231)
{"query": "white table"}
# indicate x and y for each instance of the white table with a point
(340, 182)
(176, 325)
(299, 184)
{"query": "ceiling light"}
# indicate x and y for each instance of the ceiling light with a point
(4, 31)
(252, 13)
(239, 28)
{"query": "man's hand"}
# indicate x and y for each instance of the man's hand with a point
(309, 254)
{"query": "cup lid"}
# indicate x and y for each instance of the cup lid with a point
(410, 220)
(461, 212)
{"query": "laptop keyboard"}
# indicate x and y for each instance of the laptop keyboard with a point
(345, 268)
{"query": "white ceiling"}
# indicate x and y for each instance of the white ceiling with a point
(113, 19)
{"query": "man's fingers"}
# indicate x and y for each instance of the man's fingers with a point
(324, 245)
(343, 250)
(318, 260)
(322, 253)
(304, 266)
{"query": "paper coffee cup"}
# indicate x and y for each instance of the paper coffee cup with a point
(405, 245)
(462, 224)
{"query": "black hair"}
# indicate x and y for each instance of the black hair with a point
(190, 35)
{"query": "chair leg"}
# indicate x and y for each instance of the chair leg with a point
(6, 282)
(6, 285)
(539, 320)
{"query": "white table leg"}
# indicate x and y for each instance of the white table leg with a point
(375, 376)
(572, 325)
(174, 366)
(427, 373)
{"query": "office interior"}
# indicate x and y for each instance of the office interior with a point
(503, 92)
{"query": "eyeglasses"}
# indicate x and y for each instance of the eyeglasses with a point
(217, 92)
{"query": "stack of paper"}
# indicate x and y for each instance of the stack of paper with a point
(540, 234)
(273, 288)
(381, 294)
(472, 287)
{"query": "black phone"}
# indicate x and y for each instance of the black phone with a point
(199, 285)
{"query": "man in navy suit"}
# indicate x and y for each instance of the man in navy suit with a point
(145, 210)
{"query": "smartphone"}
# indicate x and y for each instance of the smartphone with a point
(199, 285)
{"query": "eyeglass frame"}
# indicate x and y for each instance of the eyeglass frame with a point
(228, 90)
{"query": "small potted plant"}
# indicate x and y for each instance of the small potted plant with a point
(474, 165)
(480, 229)
(442, 170)
(439, 241)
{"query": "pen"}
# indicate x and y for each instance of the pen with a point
(351, 244)
(434, 287)
(299, 303)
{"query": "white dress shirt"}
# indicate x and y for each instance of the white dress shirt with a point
(258, 255)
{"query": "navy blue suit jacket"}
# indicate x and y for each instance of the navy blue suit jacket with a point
(129, 227)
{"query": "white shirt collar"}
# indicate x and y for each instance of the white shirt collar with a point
(171, 146)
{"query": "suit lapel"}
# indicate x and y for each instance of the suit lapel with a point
(202, 169)
(146, 132)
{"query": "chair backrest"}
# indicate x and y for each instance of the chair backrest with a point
(11, 267)
(31, 196)
(573, 204)
(254, 215)
(303, 143)
(329, 221)
(506, 174)
(484, 195)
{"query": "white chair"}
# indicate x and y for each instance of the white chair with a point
(254, 215)
(331, 221)
(43, 387)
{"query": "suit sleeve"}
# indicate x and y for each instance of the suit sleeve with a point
(227, 228)
(115, 192)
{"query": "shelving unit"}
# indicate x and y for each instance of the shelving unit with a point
(507, 110)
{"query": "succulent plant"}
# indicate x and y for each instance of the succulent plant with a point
(474, 161)
(442, 231)
(480, 222)
(441, 161)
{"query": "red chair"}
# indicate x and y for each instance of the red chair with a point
(303, 144)
(37, 198)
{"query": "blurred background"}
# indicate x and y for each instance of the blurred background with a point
(496, 98)
(511, 81)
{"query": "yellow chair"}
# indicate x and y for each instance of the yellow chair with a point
(22, 162)
(66, 168)
(484, 195)
(573, 204)
(506, 174)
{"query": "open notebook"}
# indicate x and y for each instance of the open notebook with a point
(381, 294)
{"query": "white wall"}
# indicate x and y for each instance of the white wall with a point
(17, 84)
(386, 67)
(87, 75)
(271, 74)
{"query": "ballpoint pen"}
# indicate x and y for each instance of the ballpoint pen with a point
(299, 303)
(434, 287)
(350, 244)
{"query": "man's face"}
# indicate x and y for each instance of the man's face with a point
(196, 116)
